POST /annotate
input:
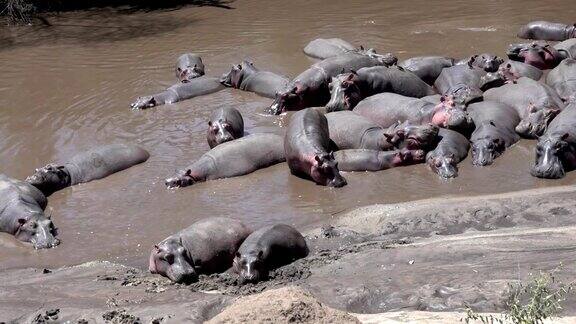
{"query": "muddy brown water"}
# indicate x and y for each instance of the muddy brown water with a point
(67, 88)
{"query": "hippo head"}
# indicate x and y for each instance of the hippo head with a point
(536, 122)
(50, 179)
(344, 92)
(495, 79)
(444, 165)
(144, 102)
(408, 157)
(220, 131)
(235, 76)
(171, 259)
(37, 229)
(542, 56)
(187, 73)
(452, 115)
(553, 155)
(181, 179)
(250, 266)
(324, 171)
(487, 62)
(387, 59)
(291, 98)
(485, 150)
(415, 137)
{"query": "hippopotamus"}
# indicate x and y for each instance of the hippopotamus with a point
(556, 149)
(385, 109)
(511, 71)
(179, 92)
(536, 103)
(495, 130)
(452, 148)
(427, 68)
(310, 88)
(348, 89)
(245, 76)
(232, 159)
(540, 55)
(373, 160)
(323, 48)
(225, 124)
(545, 30)
(188, 67)
(22, 213)
(266, 249)
(207, 246)
(486, 61)
(563, 79)
(567, 48)
(462, 82)
(83, 167)
(307, 147)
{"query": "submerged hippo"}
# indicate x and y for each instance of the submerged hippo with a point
(545, 30)
(232, 159)
(536, 103)
(323, 48)
(245, 76)
(372, 160)
(90, 165)
(310, 88)
(486, 61)
(266, 249)
(427, 68)
(225, 124)
(540, 55)
(307, 147)
(556, 149)
(348, 89)
(206, 247)
(452, 148)
(462, 82)
(563, 79)
(178, 92)
(188, 67)
(495, 130)
(22, 214)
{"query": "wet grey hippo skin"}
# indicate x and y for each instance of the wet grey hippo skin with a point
(427, 68)
(536, 103)
(495, 130)
(510, 71)
(178, 92)
(232, 159)
(567, 48)
(310, 88)
(372, 160)
(323, 48)
(90, 165)
(267, 249)
(486, 61)
(563, 79)
(537, 54)
(556, 149)
(451, 150)
(22, 214)
(347, 89)
(545, 30)
(206, 247)
(188, 67)
(463, 82)
(385, 109)
(307, 146)
(225, 124)
(245, 76)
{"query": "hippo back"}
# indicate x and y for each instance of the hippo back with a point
(386, 109)
(347, 128)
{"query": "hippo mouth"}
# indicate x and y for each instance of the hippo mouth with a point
(551, 170)
(443, 166)
(529, 130)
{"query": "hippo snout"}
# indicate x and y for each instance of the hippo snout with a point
(46, 244)
(337, 182)
(553, 170)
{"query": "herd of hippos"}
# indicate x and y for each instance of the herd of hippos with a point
(356, 111)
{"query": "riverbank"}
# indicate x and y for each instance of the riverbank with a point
(437, 255)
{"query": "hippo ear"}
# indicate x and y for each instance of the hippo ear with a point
(156, 247)
(21, 221)
(209, 123)
(565, 136)
(188, 172)
(318, 159)
(492, 123)
(237, 254)
(362, 47)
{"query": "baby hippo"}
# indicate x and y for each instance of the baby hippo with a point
(267, 249)
(226, 124)
(188, 67)
(206, 247)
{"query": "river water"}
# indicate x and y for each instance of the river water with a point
(67, 88)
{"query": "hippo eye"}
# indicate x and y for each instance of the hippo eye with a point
(169, 258)
(227, 126)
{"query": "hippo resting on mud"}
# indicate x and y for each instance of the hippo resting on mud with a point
(348, 89)
(372, 160)
(465, 83)
(323, 48)
(563, 79)
(540, 55)
(545, 30)
(231, 159)
(225, 124)
(266, 249)
(385, 109)
(310, 88)
(178, 92)
(536, 103)
(495, 130)
(206, 247)
(452, 148)
(486, 61)
(188, 67)
(556, 149)
(245, 76)
(22, 214)
(83, 167)
(307, 146)
(427, 68)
